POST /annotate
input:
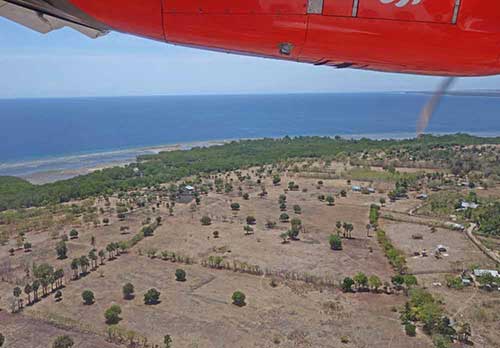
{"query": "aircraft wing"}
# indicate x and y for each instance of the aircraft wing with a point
(44, 18)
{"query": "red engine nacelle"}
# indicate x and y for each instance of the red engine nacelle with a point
(437, 37)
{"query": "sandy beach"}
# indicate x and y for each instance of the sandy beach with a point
(49, 170)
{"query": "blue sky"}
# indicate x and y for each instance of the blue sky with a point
(65, 63)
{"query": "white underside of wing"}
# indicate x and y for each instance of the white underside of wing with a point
(42, 23)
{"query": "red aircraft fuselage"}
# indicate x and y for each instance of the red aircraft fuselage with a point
(435, 37)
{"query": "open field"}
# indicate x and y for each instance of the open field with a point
(281, 309)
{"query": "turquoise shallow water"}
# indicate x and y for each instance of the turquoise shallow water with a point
(54, 134)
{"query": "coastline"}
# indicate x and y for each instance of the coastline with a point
(52, 169)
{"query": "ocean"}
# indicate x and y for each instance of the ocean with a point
(50, 135)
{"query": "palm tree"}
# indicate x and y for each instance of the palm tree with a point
(35, 287)
(93, 259)
(27, 290)
(84, 263)
(102, 255)
(338, 225)
(17, 292)
(45, 283)
(74, 266)
(349, 229)
(59, 275)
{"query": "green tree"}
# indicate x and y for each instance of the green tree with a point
(112, 314)
(88, 297)
(361, 280)
(63, 342)
(61, 250)
(330, 200)
(128, 291)
(73, 234)
(205, 221)
(284, 217)
(239, 298)
(374, 282)
(102, 256)
(347, 284)
(335, 242)
(180, 275)
(84, 264)
(35, 286)
(17, 293)
(276, 180)
(398, 280)
(151, 297)
(75, 264)
(27, 290)
(410, 329)
(58, 295)
(251, 220)
(235, 206)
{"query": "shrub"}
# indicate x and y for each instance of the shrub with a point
(112, 315)
(335, 242)
(216, 234)
(62, 342)
(330, 200)
(61, 250)
(148, 231)
(246, 196)
(297, 209)
(410, 329)
(128, 291)
(239, 298)
(73, 234)
(284, 217)
(58, 295)
(206, 221)
(180, 275)
(235, 206)
(88, 297)
(151, 297)
(251, 220)
(347, 284)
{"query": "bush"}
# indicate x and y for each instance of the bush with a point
(128, 291)
(62, 342)
(61, 250)
(88, 297)
(246, 196)
(73, 234)
(335, 242)
(151, 297)
(112, 314)
(251, 220)
(148, 231)
(297, 209)
(206, 221)
(239, 299)
(410, 329)
(180, 275)
(347, 284)
(284, 217)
